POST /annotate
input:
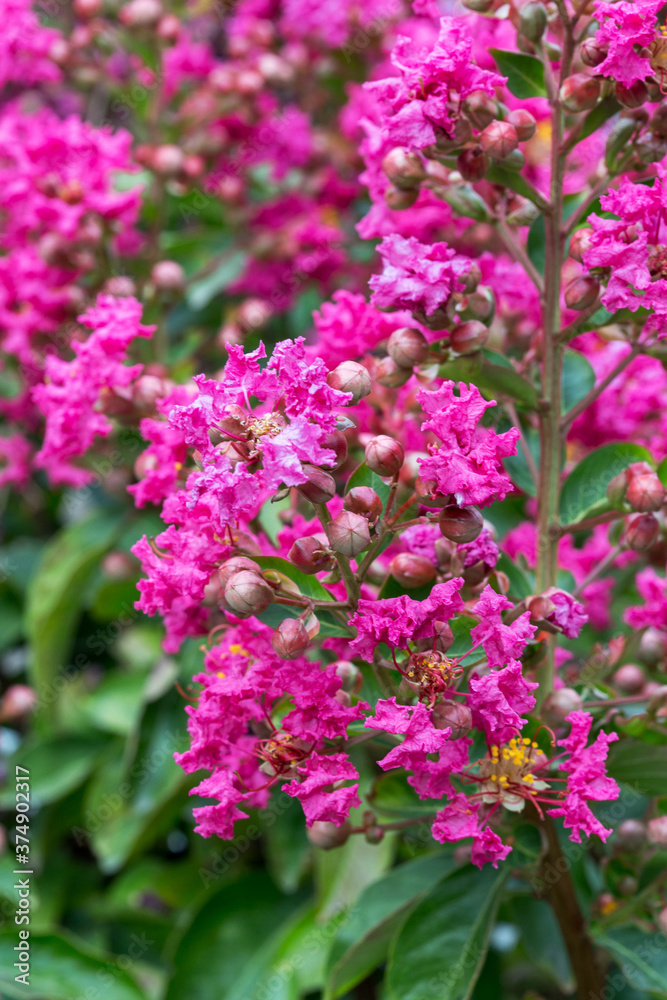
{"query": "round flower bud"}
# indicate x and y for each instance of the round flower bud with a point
(471, 278)
(168, 160)
(389, 374)
(461, 524)
(442, 639)
(350, 377)
(657, 831)
(18, 701)
(480, 305)
(592, 52)
(580, 243)
(310, 555)
(659, 121)
(540, 607)
(247, 594)
(384, 455)
(558, 705)
(645, 492)
(629, 678)
(254, 313)
(631, 835)
(374, 834)
(633, 96)
(403, 168)
(141, 13)
(498, 140)
(523, 122)
(87, 8)
(581, 292)
(336, 442)
(169, 28)
(350, 675)
(641, 531)
(425, 493)
(399, 200)
(479, 6)
(481, 108)
(411, 570)
(580, 92)
(320, 487)
(326, 835)
(168, 276)
(349, 533)
(290, 640)
(652, 647)
(365, 501)
(650, 148)
(533, 21)
(452, 715)
(407, 347)
(468, 338)
(473, 163)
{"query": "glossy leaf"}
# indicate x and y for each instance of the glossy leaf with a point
(520, 584)
(57, 766)
(363, 476)
(492, 378)
(643, 766)
(578, 379)
(309, 586)
(584, 491)
(392, 796)
(525, 74)
(201, 292)
(641, 956)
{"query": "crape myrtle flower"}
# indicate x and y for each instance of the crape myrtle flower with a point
(625, 29)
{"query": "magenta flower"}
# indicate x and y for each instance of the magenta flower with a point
(500, 642)
(652, 613)
(498, 699)
(416, 276)
(316, 790)
(625, 29)
(421, 737)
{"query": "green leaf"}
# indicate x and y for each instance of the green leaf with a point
(392, 796)
(309, 586)
(512, 179)
(578, 379)
(601, 113)
(520, 585)
(56, 594)
(536, 244)
(343, 874)
(584, 491)
(62, 968)
(542, 938)
(643, 766)
(641, 957)
(56, 766)
(517, 467)
(525, 74)
(662, 472)
(201, 292)
(441, 948)
(363, 941)
(364, 477)
(492, 377)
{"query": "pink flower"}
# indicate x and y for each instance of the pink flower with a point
(468, 464)
(218, 820)
(498, 698)
(414, 722)
(348, 327)
(15, 454)
(626, 28)
(483, 549)
(416, 276)
(320, 799)
(569, 615)
(653, 611)
(458, 821)
(500, 642)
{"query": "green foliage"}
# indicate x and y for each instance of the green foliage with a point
(525, 74)
(584, 492)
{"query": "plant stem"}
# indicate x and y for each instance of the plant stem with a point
(598, 570)
(523, 444)
(351, 583)
(597, 390)
(590, 522)
(517, 251)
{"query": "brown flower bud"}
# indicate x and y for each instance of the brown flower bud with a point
(523, 122)
(629, 678)
(641, 532)
(349, 533)
(461, 524)
(411, 570)
(320, 487)
(532, 21)
(441, 641)
(498, 140)
(374, 834)
(247, 594)
(326, 835)
(389, 374)
(471, 278)
(540, 607)
(168, 276)
(580, 243)
(450, 714)
(580, 92)
(468, 338)
(645, 492)
(581, 292)
(473, 163)
(365, 501)
(631, 835)
(481, 108)
(350, 377)
(167, 160)
(407, 347)
(310, 555)
(592, 52)
(18, 701)
(399, 200)
(558, 705)
(290, 640)
(336, 442)
(479, 6)
(384, 455)
(480, 305)
(403, 168)
(633, 96)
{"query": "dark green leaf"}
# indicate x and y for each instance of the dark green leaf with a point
(517, 466)
(492, 379)
(392, 796)
(520, 585)
(662, 471)
(201, 292)
(511, 179)
(363, 941)
(525, 74)
(536, 244)
(309, 586)
(598, 116)
(56, 766)
(584, 491)
(542, 938)
(441, 948)
(364, 477)
(641, 957)
(578, 379)
(643, 766)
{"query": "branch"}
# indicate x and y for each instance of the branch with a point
(597, 390)
(523, 444)
(598, 570)
(588, 523)
(519, 254)
(572, 329)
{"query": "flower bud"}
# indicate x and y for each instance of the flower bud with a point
(617, 489)
(651, 148)
(468, 338)
(141, 13)
(389, 374)
(461, 524)
(498, 140)
(349, 533)
(580, 243)
(365, 501)
(581, 292)
(290, 640)
(659, 121)
(384, 455)
(645, 492)
(425, 492)
(641, 532)
(471, 278)
(336, 442)
(480, 305)
(350, 377)
(657, 831)
(169, 28)
(247, 594)
(631, 835)
(254, 313)
(558, 705)
(532, 21)
(473, 163)
(580, 92)
(374, 834)
(168, 276)
(18, 701)
(450, 714)
(403, 168)
(592, 52)
(119, 566)
(633, 96)
(407, 347)
(320, 487)
(167, 160)
(398, 200)
(629, 678)
(326, 835)
(481, 108)
(350, 675)
(523, 122)
(411, 570)
(310, 555)
(540, 607)
(87, 8)
(479, 6)
(524, 212)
